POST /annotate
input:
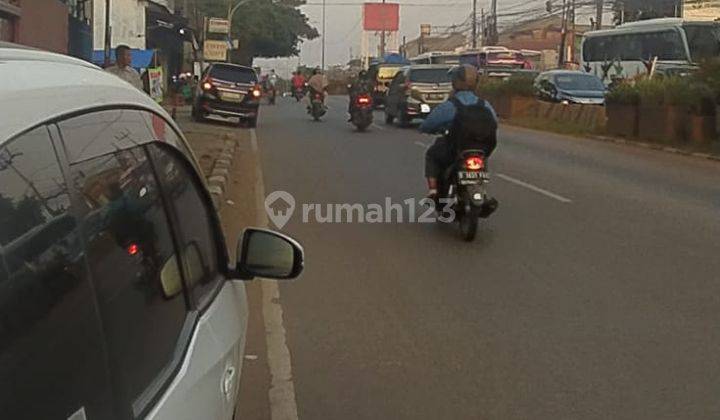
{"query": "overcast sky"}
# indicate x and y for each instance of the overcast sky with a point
(344, 26)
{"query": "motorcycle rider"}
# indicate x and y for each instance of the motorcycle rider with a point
(359, 86)
(298, 83)
(443, 152)
(318, 83)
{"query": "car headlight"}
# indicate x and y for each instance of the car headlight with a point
(565, 102)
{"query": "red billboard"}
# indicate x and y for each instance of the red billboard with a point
(381, 17)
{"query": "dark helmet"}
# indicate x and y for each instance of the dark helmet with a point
(464, 77)
(363, 74)
(316, 70)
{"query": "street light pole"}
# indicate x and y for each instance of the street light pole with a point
(323, 35)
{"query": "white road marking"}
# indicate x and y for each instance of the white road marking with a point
(423, 145)
(283, 405)
(537, 189)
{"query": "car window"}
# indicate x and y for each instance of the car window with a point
(198, 236)
(430, 75)
(233, 74)
(103, 132)
(134, 266)
(579, 82)
(50, 334)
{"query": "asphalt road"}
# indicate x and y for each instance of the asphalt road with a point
(593, 293)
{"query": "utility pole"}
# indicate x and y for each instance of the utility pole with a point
(323, 35)
(493, 25)
(475, 25)
(483, 27)
(563, 36)
(108, 33)
(599, 16)
(382, 39)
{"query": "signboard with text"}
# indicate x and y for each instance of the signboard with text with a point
(215, 50)
(381, 17)
(218, 26)
(155, 82)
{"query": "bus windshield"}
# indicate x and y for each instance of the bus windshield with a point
(664, 44)
(703, 40)
(387, 72)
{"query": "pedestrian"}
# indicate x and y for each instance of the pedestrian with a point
(122, 68)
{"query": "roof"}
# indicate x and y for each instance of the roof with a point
(648, 25)
(37, 86)
(566, 72)
(430, 66)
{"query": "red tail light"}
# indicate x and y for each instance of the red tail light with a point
(474, 163)
(363, 100)
(133, 249)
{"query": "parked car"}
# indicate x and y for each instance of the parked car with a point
(570, 87)
(228, 90)
(415, 91)
(117, 297)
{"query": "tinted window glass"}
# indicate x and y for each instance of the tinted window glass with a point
(704, 41)
(233, 74)
(430, 75)
(579, 82)
(197, 235)
(104, 132)
(666, 45)
(51, 350)
(387, 72)
(133, 265)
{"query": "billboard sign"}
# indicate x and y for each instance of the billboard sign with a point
(218, 26)
(215, 50)
(381, 17)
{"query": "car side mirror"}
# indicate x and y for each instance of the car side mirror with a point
(267, 254)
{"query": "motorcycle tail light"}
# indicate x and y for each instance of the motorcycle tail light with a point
(474, 163)
(133, 249)
(363, 100)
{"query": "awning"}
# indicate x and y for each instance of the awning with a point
(141, 59)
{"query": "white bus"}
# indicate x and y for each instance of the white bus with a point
(627, 51)
(436, 58)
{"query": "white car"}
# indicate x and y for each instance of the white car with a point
(117, 298)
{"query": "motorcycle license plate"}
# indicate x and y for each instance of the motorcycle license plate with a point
(471, 177)
(425, 108)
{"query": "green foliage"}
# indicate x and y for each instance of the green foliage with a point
(709, 75)
(684, 92)
(265, 28)
(633, 10)
(516, 85)
(623, 94)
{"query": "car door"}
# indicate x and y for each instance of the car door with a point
(52, 352)
(208, 384)
(174, 328)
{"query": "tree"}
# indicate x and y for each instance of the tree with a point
(265, 28)
(633, 10)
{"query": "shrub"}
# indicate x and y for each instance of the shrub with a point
(623, 94)
(515, 85)
(685, 92)
(709, 75)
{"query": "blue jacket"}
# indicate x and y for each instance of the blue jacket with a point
(442, 117)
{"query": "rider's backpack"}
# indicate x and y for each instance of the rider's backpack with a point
(474, 127)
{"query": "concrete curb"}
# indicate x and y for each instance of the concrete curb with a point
(219, 177)
(666, 149)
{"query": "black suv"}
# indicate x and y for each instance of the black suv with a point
(228, 90)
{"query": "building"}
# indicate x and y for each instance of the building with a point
(702, 10)
(53, 25)
(432, 43)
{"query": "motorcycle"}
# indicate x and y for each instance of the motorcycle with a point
(362, 113)
(463, 192)
(317, 106)
(299, 93)
(271, 94)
